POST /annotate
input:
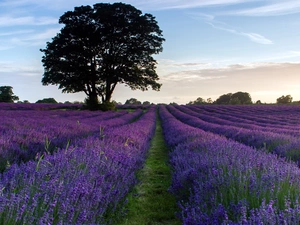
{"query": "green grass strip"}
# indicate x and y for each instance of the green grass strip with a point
(151, 203)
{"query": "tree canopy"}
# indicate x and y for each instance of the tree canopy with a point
(101, 46)
(224, 99)
(47, 100)
(7, 94)
(284, 99)
(198, 101)
(236, 98)
(132, 101)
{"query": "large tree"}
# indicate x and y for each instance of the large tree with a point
(101, 46)
(7, 94)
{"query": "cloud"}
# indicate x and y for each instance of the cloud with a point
(183, 4)
(2, 47)
(264, 81)
(6, 21)
(36, 39)
(251, 36)
(183, 65)
(10, 67)
(276, 9)
(16, 32)
(45, 35)
(256, 38)
(190, 76)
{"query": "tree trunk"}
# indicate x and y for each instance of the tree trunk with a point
(109, 90)
(92, 101)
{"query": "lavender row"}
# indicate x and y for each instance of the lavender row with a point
(83, 184)
(270, 114)
(38, 106)
(235, 120)
(281, 144)
(220, 181)
(24, 134)
(289, 149)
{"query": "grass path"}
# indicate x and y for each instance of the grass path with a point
(151, 203)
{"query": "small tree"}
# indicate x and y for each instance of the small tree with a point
(198, 101)
(284, 99)
(146, 103)
(7, 95)
(242, 97)
(132, 101)
(47, 100)
(209, 101)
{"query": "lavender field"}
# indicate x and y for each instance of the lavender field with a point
(230, 164)
(234, 164)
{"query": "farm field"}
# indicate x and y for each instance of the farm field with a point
(229, 164)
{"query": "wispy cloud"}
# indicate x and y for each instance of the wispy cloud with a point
(27, 20)
(251, 36)
(183, 4)
(16, 32)
(256, 38)
(35, 39)
(23, 70)
(189, 75)
(273, 9)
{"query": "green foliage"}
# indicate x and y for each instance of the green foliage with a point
(234, 99)
(101, 46)
(132, 101)
(284, 99)
(224, 99)
(92, 103)
(95, 105)
(198, 101)
(47, 100)
(146, 103)
(7, 95)
(107, 106)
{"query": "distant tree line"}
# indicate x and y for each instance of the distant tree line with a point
(240, 98)
(134, 101)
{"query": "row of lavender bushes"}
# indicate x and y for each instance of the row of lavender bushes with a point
(220, 181)
(273, 122)
(39, 106)
(275, 119)
(84, 183)
(258, 114)
(23, 134)
(284, 145)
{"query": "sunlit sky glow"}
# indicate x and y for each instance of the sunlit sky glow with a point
(212, 47)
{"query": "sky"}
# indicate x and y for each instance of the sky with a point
(212, 47)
